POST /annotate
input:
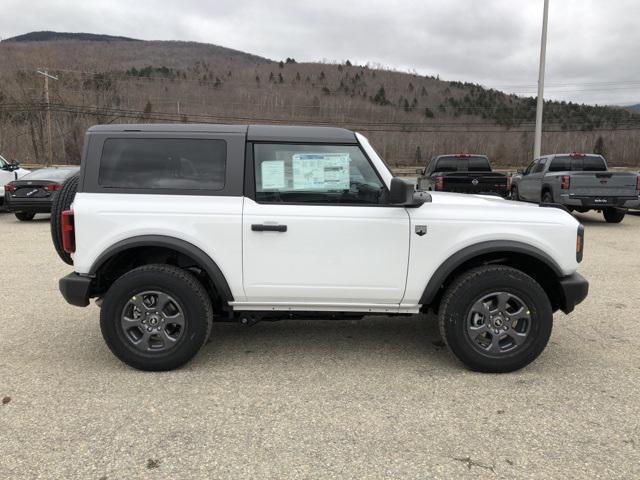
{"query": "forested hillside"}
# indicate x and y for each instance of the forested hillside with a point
(408, 117)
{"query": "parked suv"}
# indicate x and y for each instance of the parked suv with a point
(580, 182)
(173, 226)
(9, 171)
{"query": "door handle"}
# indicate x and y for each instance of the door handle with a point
(261, 227)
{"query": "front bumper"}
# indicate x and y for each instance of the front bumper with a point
(573, 289)
(75, 289)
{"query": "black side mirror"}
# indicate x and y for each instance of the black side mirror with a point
(14, 165)
(402, 193)
(520, 171)
(420, 171)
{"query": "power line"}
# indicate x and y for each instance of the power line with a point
(370, 127)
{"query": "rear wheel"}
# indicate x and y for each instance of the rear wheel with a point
(62, 202)
(25, 216)
(156, 317)
(495, 319)
(614, 215)
(547, 197)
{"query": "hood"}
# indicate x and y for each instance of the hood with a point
(464, 199)
(486, 208)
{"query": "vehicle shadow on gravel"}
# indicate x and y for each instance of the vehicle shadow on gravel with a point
(397, 340)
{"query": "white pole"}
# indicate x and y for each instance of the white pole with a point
(537, 148)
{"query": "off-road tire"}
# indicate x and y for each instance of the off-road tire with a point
(25, 216)
(62, 202)
(465, 290)
(179, 284)
(613, 215)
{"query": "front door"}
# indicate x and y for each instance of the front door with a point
(531, 183)
(318, 230)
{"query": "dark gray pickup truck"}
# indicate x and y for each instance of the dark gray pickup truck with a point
(580, 182)
(462, 173)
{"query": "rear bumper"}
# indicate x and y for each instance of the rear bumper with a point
(35, 205)
(574, 289)
(600, 202)
(75, 289)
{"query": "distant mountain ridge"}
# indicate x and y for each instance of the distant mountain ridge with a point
(47, 35)
(634, 108)
(407, 116)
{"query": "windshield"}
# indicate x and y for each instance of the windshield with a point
(463, 164)
(54, 174)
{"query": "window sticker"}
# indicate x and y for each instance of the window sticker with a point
(273, 175)
(321, 171)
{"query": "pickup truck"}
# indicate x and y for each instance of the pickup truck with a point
(462, 173)
(170, 227)
(580, 182)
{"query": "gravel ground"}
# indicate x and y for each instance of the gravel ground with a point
(326, 399)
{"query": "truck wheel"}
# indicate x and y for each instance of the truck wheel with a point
(156, 317)
(62, 202)
(547, 197)
(614, 215)
(514, 193)
(25, 216)
(495, 319)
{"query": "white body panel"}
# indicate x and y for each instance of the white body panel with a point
(334, 254)
(213, 224)
(456, 221)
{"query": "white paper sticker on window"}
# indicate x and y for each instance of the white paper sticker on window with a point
(321, 171)
(273, 175)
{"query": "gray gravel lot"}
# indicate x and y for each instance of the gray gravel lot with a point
(326, 399)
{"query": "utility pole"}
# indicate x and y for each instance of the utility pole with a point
(46, 76)
(537, 148)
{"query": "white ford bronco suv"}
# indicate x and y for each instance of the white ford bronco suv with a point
(176, 226)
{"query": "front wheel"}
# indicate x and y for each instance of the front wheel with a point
(495, 319)
(514, 193)
(547, 197)
(25, 216)
(614, 215)
(156, 317)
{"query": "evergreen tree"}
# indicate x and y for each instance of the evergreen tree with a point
(148, 108)
(599, 148)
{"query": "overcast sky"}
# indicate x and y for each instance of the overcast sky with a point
(593, 53)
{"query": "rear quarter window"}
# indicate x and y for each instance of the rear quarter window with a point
(163, 164)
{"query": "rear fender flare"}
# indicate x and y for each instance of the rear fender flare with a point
(180, 246)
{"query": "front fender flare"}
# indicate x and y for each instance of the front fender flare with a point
(477, 250)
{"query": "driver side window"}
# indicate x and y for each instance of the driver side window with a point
(540, 166)
(319, 174)
(530, 168)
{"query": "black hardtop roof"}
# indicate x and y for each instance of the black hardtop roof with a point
(254, 133)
